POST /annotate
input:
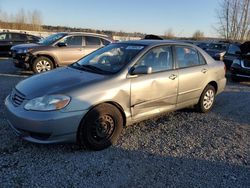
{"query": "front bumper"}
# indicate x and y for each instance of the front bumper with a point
(21, 60)
(221, 85)
(43, 127)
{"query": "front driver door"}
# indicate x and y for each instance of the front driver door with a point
(72, 52)
(156, 92)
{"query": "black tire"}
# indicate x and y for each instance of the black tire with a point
(100, 128)
(235, 78)
(205, 105)
(42, 64)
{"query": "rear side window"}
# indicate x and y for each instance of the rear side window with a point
(73, 41)
(91, 41)
(186, 56)
(105, 42)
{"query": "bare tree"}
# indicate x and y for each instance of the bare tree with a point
(234, 19)
(198, 35)
(169, 34)
(36, 20)
(21, 19)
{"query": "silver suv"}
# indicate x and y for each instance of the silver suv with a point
(57, 50)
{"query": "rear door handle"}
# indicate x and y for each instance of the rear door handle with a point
(204, 71)
(172, 76)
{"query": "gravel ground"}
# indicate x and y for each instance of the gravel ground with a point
(179, 149)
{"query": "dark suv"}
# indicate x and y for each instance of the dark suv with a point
(9, 39)
(57, 50)
(240, 67)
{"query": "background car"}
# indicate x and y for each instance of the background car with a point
(90, 101)
(240, 67)
(57, 50)
(9, 39)
(217, 50)
(231, 54)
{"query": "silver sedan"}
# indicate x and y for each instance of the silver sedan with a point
(90, 101)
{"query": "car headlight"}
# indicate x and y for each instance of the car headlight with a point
(48, 103)
(24, 51)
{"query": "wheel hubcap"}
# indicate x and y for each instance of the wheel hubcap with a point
(208, 99)
(43, 66)
(103, 128)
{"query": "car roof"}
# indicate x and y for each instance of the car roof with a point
(84, 33)
(155, 42)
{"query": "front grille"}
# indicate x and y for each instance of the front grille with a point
(17, 97)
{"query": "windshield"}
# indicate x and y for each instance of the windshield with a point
(217, 46)
(109, 59)
(52, 38)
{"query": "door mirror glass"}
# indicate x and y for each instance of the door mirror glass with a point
(61, 44)
(141, 70)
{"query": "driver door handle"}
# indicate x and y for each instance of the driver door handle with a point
(172, 76)
(204, 71)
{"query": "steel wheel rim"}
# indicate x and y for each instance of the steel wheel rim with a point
(208, 99)
(43, 65)
(103, 128)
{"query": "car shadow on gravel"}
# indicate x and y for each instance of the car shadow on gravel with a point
(65, 165)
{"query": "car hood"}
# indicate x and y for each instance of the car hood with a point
(245, 48)
(58, 81)
(26, 46)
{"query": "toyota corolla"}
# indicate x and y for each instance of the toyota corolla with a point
(90, 101)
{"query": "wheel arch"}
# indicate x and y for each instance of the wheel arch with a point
(214, 84)
(113, 103)
(53, 59)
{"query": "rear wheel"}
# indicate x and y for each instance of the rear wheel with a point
(42, 64)
(101, 127)
(207, 98)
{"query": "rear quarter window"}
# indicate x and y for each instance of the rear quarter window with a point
(105, 42)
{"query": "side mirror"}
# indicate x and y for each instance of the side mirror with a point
(61, 44)
(238, 52)
(141, 70)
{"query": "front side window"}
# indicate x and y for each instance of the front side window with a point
(109, 59)
(92, 41)
(186, 57)
(159, 59)
(18, 37)
(73, 41)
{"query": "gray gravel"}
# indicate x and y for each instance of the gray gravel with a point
(179, 149)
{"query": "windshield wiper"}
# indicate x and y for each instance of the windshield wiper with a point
(93, 69)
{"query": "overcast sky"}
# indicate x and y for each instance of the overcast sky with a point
(184, 17)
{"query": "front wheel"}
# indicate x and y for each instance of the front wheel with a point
(42, 64)
(101, 127)
(207, 98)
